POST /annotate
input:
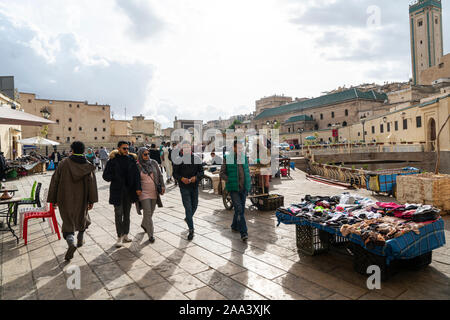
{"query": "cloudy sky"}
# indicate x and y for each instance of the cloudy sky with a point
(201, 59)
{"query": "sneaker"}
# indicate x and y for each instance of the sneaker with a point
(152, 240)
(244, 237)
(126, 239)
(119, 242)
(70, 252)
(191, 235)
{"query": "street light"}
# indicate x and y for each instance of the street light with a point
(364, 131)
(46, 114)
(300, 130)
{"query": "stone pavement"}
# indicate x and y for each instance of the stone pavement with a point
(215, 265)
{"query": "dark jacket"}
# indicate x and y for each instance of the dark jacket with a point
(194, 169)
(55, 155)
(73, 187)
(155, 155)
(131, 179)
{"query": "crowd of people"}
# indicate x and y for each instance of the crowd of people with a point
(136, 176)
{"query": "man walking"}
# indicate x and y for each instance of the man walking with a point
(103, 153)
(188, 171)
(122, 171)
(235, 171)
(167, 163)
(73, 189)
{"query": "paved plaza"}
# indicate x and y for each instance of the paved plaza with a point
(215, 265)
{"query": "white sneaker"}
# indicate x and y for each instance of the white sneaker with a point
(119, 242)
(125, 239)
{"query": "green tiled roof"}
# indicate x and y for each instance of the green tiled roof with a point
(299, 118)
(424, 3)
(329, 99)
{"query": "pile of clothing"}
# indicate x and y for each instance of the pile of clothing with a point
(375, 222)
(375, 232)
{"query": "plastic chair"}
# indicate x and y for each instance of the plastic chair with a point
(34, 202)
(32, 209)
(48, 213)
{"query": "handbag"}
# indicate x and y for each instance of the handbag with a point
(158, 190)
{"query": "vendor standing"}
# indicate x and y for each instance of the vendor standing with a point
(2, 167)
(56, 158)
(235, 171)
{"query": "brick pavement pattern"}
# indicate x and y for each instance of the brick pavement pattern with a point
(215, 265)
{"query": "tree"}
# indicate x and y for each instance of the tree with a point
(233, 126)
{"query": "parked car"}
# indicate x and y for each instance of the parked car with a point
(284, 147)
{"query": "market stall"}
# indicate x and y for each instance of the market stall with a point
(389, 235)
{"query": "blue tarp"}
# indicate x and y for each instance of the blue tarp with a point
(407, 246)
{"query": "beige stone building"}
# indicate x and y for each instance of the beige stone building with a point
(145, 127)
(342, 108)
(75, 120)
(271, 102)
(10, 134)
(437, 72)
(121, 131)
(425, 18)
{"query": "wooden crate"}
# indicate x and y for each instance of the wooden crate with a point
(426, 188)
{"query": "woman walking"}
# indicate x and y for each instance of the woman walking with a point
(152, 183)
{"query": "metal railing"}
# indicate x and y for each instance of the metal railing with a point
(354, 177)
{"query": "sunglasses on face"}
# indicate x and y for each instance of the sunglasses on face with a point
(145, 154)
(125, 148)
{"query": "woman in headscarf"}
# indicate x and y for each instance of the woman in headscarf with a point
(151, 178)
(90, 156)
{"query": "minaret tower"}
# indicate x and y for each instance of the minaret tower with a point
(425, 18)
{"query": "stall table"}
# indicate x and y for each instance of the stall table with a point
(411, 250)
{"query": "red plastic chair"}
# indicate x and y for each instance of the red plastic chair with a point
(39, 215)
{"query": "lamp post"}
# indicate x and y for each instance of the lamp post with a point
(300, 131)
(364, 130)
(46, 114)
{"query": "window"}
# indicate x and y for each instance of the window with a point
(419, 122)
(29, 100)
(103, 138)
(436, 21)
(312, 117)
(95, 138)
(57, 138)
(80, 129)
(289, 130)
(103, 108)
(70, 119)
(332, 115)
(70, 106)
(346, 112)
(359, 134)
(78, 105)
(381, 128)
(344, 124)
(373, 129)
(405, 124)
(421, 41)
(57, 121)
(104, 121)
(420, 23)
(70, 129)
(441, 65)
(329, 125)
(389, 127)
(321, 116)
(316, 127)
(104, 130)
(68, 139)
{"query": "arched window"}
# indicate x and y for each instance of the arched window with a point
(344, 124)
(346, 112)
(332, 114)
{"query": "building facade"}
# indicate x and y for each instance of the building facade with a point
(271, 102)
(440, 71)
(75, 120)
(10, 134)
(426, 36)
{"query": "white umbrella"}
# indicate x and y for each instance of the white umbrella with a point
(38, 141)
(15, 117)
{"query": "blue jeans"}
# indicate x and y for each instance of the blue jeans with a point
(239, 223)
(190, 203)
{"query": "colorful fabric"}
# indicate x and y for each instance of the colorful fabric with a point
(407, 246)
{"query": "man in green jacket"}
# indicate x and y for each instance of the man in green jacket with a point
(236, 173)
